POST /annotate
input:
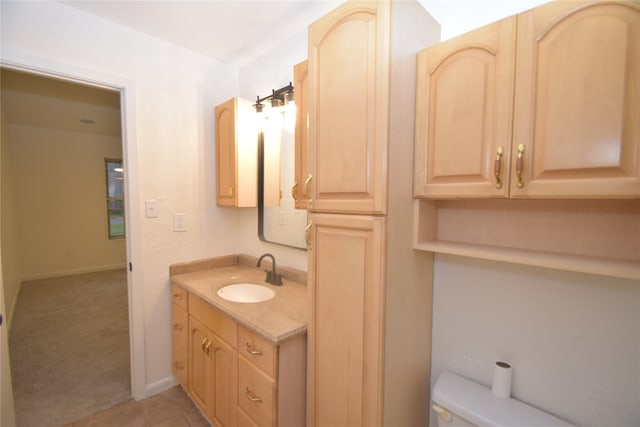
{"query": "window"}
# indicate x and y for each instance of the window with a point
(115, 198)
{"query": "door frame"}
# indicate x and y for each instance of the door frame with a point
(46, 67)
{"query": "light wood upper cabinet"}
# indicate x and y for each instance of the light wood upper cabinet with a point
(464, 112)
(236, 154)
(345, 338)
(577, 105)
(348, 108)
(568, 93)
(301, 98)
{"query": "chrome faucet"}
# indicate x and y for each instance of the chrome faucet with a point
(272, 277)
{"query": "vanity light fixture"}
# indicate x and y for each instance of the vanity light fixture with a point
(278, 98)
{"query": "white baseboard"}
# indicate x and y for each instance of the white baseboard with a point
(73, 272)
(161, 385)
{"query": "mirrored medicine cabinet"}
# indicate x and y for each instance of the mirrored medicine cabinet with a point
(279, 221)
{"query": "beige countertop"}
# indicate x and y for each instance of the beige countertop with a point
(282, 317)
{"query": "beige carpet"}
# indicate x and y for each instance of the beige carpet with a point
(69, 348)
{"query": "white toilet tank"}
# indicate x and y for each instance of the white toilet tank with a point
(459, 402)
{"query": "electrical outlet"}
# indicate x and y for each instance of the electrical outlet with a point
(179, 222)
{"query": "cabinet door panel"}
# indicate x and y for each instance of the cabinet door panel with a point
(200, 366)
(346, 321)
(225, 371)
(348, 108)
(226, 153)
(578, 101)
(464, 114)
(301, 97)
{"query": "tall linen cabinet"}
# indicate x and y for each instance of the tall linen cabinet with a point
(369, 330)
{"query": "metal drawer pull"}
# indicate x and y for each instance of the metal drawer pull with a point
(293, 191)
(307, 186)
(206, 348)
(253, 351)
(179, 366)
(497, 167)
(203, 342)
(177, 326)
(520, 165)
(177, 296)
(252, 397)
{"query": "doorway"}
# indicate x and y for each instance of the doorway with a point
(47, 111)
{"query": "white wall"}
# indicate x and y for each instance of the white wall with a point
(173, 92)
(59, 182)
(573, 339)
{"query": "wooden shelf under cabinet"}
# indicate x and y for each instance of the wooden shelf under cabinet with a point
(589, 236)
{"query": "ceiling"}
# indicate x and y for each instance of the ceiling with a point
(240, 31)
(237, 32)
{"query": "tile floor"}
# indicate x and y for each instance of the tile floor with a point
(172, 408)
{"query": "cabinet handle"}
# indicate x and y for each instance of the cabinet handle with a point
(207, 347)
(203, 342)
(519, 165)
(177, 297)
(307, 185)
(251, 396)
(177, 326)
(307, 235)
(497, 167)
(230, 190)
(293, 191)
(179, 366)
(253, 351)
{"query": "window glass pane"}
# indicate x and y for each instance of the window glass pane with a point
(115, 198)
(116, 205)
(116, 224)
(115, 188)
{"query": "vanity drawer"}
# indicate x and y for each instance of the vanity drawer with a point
(179, 326)
(179, 365)
(179, 296)
(214, 319)
(258, 350)
(256, 393)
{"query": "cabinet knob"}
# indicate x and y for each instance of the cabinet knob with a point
(497, 167)
(251, 396)
(520, 165)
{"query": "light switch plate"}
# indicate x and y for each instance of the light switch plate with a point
(151, 208)
(179, 222)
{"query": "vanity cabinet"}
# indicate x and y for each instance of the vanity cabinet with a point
(369, 291)
(180, 334)
(236, 154)
(236, 376)
(567, 90)
(213, 368)
(301, 187)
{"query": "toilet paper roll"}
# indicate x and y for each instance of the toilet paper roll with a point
(501, 386)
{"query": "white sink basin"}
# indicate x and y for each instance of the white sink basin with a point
(246, 292)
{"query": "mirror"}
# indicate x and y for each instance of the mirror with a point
(278, 220)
